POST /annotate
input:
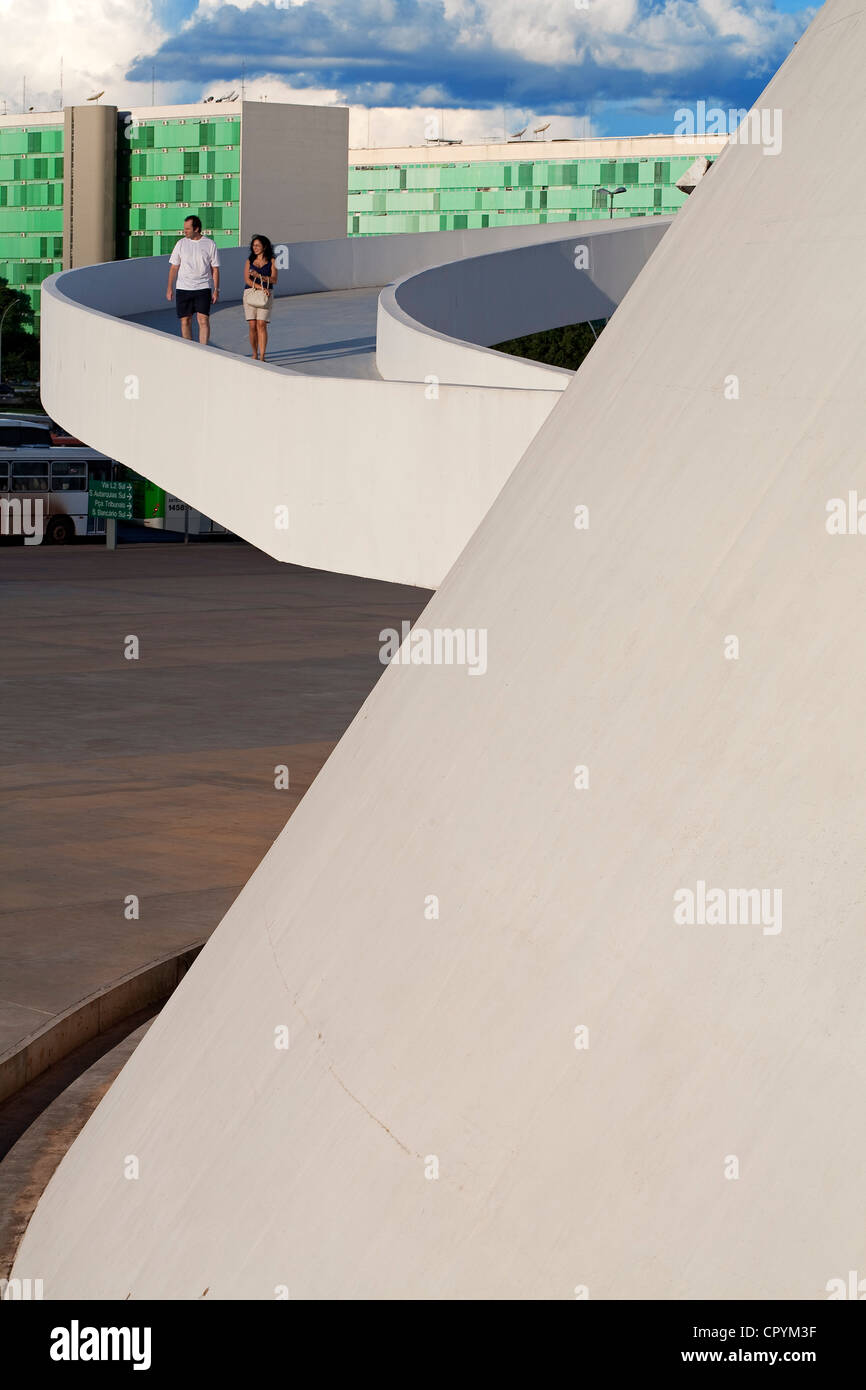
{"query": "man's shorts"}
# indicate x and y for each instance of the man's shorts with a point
(189, 302)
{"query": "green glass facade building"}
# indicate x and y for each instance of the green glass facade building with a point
(94, 183)
(31, 206)
(532, 187)
(170, 167)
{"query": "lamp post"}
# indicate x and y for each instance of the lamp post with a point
(612, 193)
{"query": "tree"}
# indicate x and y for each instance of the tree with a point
(20, 347)
(558, 347)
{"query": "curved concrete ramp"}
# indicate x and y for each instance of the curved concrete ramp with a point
(336, 470)
(433, 1130)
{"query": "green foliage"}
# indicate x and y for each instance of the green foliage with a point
(558, 347)
(20, 347)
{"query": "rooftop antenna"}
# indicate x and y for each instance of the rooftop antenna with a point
(243, 79)
(153, 84)
(61, 82)
(23, 96)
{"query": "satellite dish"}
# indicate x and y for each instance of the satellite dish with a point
(540, 129)
(517, 134)
(97, 95)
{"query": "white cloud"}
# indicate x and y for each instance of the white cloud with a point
(96, 41)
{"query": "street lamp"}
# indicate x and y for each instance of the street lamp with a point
(2, 320)
(612, 193)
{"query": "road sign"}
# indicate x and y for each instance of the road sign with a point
(113, 500)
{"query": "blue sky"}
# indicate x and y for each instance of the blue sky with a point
(624, 65)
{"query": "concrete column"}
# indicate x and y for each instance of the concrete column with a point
(90, 183)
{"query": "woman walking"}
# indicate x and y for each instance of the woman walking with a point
(260, 276)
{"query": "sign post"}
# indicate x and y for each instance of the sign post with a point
(110, 500)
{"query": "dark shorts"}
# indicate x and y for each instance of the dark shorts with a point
(189, 302)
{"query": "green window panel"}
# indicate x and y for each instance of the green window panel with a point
(657, 198)
(384, 179)
(607, 172)
(630, 172)
(524, 176)
(12, 219)
(206, 133)
(456, 200)
(646, 171)
(231, 220)
(223, 162)
(360, 202)
(589, 172)
(191, 160)
(13, 141)
(227, 133)
(151, 190)
(491, 175)
(13, 247)
(142, 137)
(420, 176)
(231, 189)
(662, 171)
(168, 219)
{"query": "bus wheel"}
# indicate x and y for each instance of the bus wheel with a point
(59, 531)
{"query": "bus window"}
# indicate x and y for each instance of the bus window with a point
(29, 475)
(68, 477)
(4, 475)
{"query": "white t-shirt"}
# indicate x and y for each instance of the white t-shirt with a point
(195, 258)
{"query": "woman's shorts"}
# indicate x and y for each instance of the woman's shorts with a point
(262, 315)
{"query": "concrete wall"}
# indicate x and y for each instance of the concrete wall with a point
(90, 187)
(412, 1036)
(293, 171)
(432, 322)
(378, 478)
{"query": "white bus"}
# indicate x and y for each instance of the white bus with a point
(57, 477)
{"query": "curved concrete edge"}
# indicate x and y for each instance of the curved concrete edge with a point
(385, 479)
(439, 321)
(27, 1169)
(374, 478)
(91, 1016)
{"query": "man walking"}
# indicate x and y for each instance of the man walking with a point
(194, 264)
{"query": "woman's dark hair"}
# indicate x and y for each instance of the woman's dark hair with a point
(267, 248)
(196, 223)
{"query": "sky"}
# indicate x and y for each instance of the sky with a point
(407, 69)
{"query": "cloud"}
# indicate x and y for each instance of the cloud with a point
(479, 53)
(623, 64)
